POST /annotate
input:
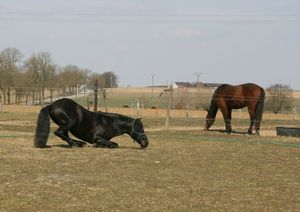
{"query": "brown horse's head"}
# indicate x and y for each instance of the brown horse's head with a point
(209, 121)
(211, 114)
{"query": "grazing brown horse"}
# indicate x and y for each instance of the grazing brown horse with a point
(228, 97)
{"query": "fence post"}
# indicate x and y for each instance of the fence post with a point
(187, 111)
(96, 96)
(0, 102)
(105, 100)
(295, 112)
(170, 99)
(77, 91)
(239, 115)
(87, 103)
(138, 107)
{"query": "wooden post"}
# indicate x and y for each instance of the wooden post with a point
(1, 102)
(88, 102)
(105, 103)
(295, 112)
(239, 116)
(187, 111)
(170, 100)
(51, 95)
(96, 96)
(138, 107)
(77, 91)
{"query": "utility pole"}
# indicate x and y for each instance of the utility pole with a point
(198, 77)
(152, 83)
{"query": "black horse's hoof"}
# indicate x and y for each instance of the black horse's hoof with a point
(99, 145)
(107, 145)
(113, 145)
(78, 144)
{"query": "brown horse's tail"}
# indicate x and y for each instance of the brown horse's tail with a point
(43, 128)
(259, 109)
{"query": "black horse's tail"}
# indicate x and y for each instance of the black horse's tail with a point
(260, 105)
(43, 128)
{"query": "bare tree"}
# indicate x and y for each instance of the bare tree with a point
(72, 76)
(105, 80)
(39, 73)
(92, 79)
(32, 67)
(41, 70)
(280, 97)
(9, 59)
(108, 80)
(47, 71)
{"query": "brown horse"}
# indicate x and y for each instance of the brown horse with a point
(228, 97)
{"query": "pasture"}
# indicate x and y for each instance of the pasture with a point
(183, 169)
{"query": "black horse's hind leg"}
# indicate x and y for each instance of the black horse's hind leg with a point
(62, 132)
(101, 142)
(76, 143)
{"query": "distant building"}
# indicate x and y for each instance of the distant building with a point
(195, 85)
(212, 85)
(182, 85)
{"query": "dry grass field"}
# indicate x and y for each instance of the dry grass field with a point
(183, 169)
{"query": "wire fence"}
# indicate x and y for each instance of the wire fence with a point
(168, 108)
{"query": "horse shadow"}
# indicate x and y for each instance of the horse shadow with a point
(66, 146)
(232, 132)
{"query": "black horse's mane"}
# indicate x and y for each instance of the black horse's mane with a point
(114, 115)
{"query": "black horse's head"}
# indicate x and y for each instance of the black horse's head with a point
(138, 133)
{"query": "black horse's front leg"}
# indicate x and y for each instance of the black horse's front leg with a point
(104, 143)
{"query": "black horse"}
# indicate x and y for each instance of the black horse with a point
(96, 128)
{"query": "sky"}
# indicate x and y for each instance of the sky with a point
(232, 41)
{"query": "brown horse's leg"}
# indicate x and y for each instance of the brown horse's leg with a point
(257, 123)
(227, 118)
(251, 110)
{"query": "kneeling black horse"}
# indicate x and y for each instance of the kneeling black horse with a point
(96, 128)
